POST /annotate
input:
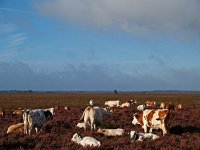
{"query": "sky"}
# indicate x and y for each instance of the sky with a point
(100, 45)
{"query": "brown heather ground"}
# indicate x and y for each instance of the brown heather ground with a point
(57, 133)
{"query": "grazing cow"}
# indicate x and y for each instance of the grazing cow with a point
(35, 119)
(2, 112)
(141, 107)
(94, 115)
(111, 132)
(16, 128)
(114, 103)
(154, 119)
(126, 104)
(85, 141)
(142, 136)
(150, 103)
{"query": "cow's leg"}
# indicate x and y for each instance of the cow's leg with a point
(29, 130)
(25, 129)
(85, 126)
(151, 129)
(92, 124)
(145, 128)
(36, 129)
(164, 129)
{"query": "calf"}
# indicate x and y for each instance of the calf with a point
(35, 119)
(142, 136)
(85, 141)
(111, 132)
(16, 128)
(154, 119)
(114, 103)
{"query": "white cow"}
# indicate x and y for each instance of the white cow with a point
(80, 125)
(35, 119)
(111, 132)
(114, 103)
(94, 116)
(126, 104)
(142, 136)
(85, 141)
(141, 107)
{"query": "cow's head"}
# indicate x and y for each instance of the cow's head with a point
(134, 135)
(48, 115)
(76, 138)
(137, 118)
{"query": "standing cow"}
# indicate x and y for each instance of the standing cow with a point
(35, 119)
(93, 116)
(153, 119)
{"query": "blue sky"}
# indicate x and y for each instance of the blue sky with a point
(99, 45)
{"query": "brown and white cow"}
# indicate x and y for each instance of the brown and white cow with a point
(150, 103)
(153, 119)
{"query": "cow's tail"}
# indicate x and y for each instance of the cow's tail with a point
(25, 120)
(84, 113)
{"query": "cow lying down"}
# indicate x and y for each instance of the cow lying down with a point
(16, 128)
(85, 141)
(111, 132)
(142, 136)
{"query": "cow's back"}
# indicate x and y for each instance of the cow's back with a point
(36, 118)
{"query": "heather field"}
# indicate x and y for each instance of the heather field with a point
(57, 133)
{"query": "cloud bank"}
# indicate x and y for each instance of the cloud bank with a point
(139, 17)
(20, 76)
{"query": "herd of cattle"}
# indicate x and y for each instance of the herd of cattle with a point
(150, 116)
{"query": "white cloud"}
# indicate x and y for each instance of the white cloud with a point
(139, 17)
